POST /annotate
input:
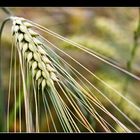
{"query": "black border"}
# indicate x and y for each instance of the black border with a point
(72, 136)
(70, 3)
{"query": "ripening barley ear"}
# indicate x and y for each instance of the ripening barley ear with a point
(31, 48)
(51, 93)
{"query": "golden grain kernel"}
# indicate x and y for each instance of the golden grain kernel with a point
(38, 74)
(40, 50)
(45, 74)
(40, 80)
(49, 68)
(20, 37)
(15, 28)
(29, 56)
(27, 38)
(34, 65)
(23, 28)
(27, 24)
(50, 82)
(33, 33)
(31, 47)
(46, 59)
(36, 57)
(24, 47)
(18, 21)
(41, 66)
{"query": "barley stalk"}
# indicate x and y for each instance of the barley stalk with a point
(41, 67)
(31, 48)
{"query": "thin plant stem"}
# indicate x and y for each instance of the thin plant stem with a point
(132, 56)
(2, 103)
(7, 11)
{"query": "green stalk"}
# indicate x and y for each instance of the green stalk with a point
(18, 104)
(130, 61)
(2, 103)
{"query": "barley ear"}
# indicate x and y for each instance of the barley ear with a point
(33, 52)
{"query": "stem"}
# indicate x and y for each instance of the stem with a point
(18, 104)
(7, 11)
(130, 61)
(2, 103)
(135, 45)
